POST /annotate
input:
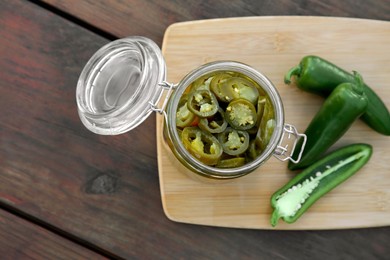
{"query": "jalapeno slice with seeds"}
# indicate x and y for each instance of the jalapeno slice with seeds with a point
(234, 142)
(216, 86)
(184, 117)
(202, 103)
(203, 146)
(241, 114)
(238, 87)
(214, 125)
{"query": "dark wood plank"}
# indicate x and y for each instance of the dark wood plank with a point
(21, 239)
(105, 190)
(151, 18)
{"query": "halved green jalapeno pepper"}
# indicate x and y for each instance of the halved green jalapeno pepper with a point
(203, 146)
(214, 125)
(234, 142)
(184, 117)
(241, 114)
(202, 103)
(316, 75)
(294, 198)
(344, 105)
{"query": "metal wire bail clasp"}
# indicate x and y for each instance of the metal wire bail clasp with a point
(282, 150)
(169, 87)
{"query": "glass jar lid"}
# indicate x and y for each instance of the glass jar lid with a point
(120, 84)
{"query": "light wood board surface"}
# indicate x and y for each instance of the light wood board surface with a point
(273, 45)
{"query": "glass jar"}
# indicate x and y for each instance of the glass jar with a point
(124, 82)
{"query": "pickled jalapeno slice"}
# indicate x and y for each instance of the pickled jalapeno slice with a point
(179, 132)
(202, 103)
(234, 142)
(216, 86)
(203, 146)
(254, 149)
(267, 133)
(184, 117)
(231, 162)
(214, 125)
(267, 124)
(259, 112)
(241, 114)
(260, 108)
(238, 87)
(202, 83)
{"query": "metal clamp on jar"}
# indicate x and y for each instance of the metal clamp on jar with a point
(124, 81)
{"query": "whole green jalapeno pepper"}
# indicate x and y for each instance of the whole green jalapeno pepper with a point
(301, 192)
(319, 76)
(346, 103)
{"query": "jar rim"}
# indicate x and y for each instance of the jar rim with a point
(269, 88)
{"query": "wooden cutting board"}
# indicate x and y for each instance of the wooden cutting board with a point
(272, 45)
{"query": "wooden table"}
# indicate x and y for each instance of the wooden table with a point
(66, 193)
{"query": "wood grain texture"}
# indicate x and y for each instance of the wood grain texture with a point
(151, 18)
(21, 239)
(51, 166)
(105, 190)
(273, 45)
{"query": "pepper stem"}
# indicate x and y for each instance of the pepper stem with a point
(294, 71)
(358, 87)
